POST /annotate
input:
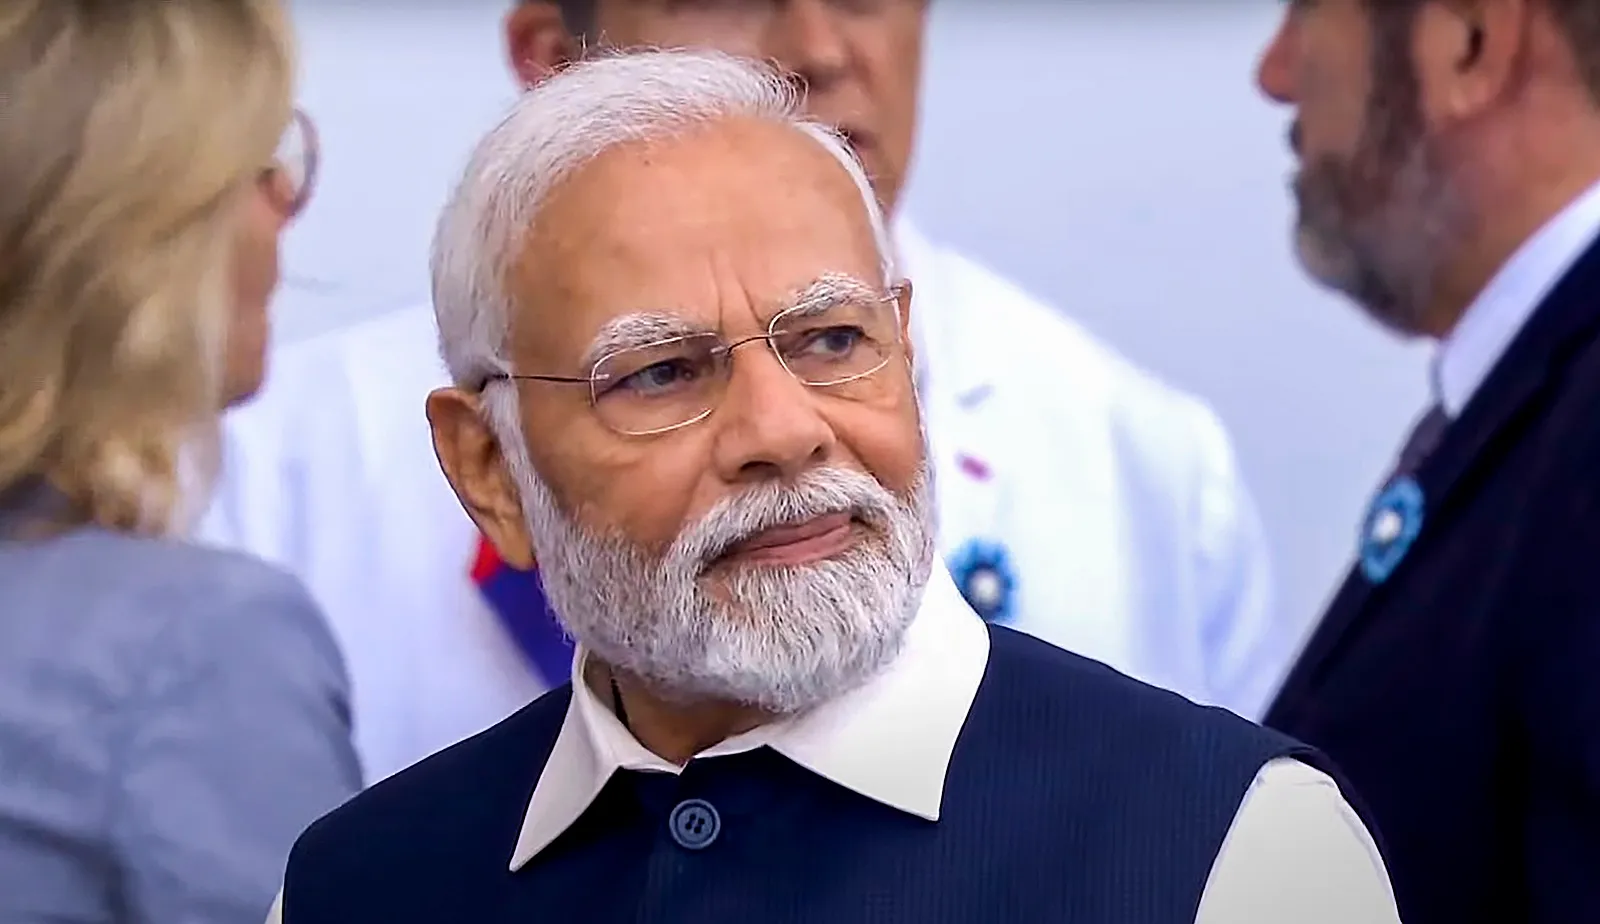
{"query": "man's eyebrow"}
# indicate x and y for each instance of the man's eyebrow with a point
(630, 331)
(830, 290)
(636, 330)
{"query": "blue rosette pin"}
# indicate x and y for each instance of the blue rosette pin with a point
(1391, 526)
(983, 573)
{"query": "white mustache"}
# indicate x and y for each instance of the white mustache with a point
(818, 493)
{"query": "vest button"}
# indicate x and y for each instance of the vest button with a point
(694, 824)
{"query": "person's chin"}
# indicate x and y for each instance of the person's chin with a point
(1319, 258)
(240, 385)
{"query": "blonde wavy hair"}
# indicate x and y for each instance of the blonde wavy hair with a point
(129, 132)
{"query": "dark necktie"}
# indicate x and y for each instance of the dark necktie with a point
(1424, 439)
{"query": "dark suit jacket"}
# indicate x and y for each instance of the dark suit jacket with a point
(1461, 695)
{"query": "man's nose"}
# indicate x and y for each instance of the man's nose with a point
(769, 424)
(808, 39)
(1276, 69)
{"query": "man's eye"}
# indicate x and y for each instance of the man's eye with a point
(660, 377)
(830, 341)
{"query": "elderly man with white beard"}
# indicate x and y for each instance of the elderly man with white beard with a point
(679, 344)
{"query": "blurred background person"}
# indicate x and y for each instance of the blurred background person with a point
(1450, 186)
(1080, 499)
(170, 716)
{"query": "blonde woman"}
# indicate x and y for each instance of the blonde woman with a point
(170, 716)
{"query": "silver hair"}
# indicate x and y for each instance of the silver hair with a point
(562, 124)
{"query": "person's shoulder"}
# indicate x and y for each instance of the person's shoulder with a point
(1037, 666)
(1079, 694)
(1069, 725)
(169, 574)
(1067, 371)
(465, 798)
(166, 604)
(1298, 849)
(1576, 402)
(1554, 469)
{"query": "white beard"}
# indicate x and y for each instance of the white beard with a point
(783, 639)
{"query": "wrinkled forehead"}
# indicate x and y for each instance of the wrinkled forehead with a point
(717, 230)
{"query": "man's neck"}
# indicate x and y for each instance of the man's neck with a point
(1509, 218)
(674, 731)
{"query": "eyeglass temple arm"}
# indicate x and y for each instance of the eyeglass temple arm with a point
(515, 377)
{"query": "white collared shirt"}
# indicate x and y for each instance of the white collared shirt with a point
(1467, 355)
(1296, 850)
(889, 740)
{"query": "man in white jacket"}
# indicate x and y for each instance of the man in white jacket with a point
(1079, 499)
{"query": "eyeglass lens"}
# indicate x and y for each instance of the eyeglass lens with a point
(667, 384)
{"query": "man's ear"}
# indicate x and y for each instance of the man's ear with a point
(475, 466)
(903, 296)
(1470, 55)
(538, 41)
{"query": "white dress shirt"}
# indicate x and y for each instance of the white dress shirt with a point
(1295, 852)
(1467, 355)
(1124, 516)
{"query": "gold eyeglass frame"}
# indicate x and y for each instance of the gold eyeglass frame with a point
(895, 293)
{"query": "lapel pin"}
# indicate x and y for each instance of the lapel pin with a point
(983, 573)
(1393, 522)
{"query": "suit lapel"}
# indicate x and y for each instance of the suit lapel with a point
(1498, 414)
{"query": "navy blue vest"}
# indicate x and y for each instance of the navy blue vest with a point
(1074, 794)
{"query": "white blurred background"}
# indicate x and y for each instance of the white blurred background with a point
(1114, 158)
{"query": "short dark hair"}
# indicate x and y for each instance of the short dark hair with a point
(1579, 21)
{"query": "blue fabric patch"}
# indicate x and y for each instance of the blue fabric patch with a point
(517, 598)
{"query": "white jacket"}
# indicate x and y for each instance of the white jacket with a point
(1111, 503)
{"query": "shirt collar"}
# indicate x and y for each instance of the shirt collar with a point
(889, 739)
(1465, 357)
